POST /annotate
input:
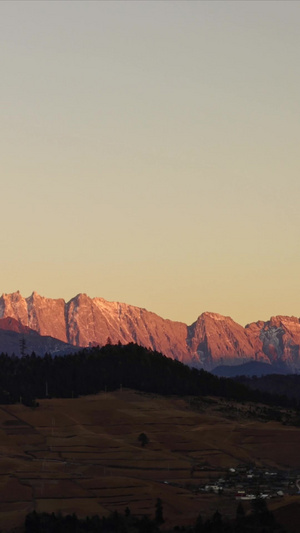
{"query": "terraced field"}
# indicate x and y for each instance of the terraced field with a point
(83, 455)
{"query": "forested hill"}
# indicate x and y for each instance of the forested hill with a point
(275, 384)
(108, 368)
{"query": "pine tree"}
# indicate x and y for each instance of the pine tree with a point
(143, 439)
(159, 518)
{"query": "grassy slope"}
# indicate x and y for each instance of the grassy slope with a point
(83, 455)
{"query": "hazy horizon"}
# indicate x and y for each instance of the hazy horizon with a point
(150, 154)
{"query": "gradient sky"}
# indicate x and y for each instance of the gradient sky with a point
(150, 154)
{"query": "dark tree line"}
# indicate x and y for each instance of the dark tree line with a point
(260, 520)
(285, 385)
(96, 369)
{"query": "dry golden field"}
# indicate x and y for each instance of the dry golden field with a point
(83, 455)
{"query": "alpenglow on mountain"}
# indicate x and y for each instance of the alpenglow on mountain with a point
(212, 340)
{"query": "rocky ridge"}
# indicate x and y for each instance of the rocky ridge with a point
(210, 341)
(18, 340)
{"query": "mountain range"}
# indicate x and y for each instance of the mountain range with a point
(56, 326)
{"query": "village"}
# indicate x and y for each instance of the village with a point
(249, 483)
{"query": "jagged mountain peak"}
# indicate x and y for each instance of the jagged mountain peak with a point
(213, 316)
(283, 320)
(213, 339)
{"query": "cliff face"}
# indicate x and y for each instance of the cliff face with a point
(85, 321)
(218, 340)
(280, 340)
(15, 338)
(210, 341)
(44, 315)
(96, 321)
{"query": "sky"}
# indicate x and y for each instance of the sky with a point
(150, 154)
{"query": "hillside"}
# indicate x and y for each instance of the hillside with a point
(96, 369)
(288, 386)
(16, 339)
(84, 455)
